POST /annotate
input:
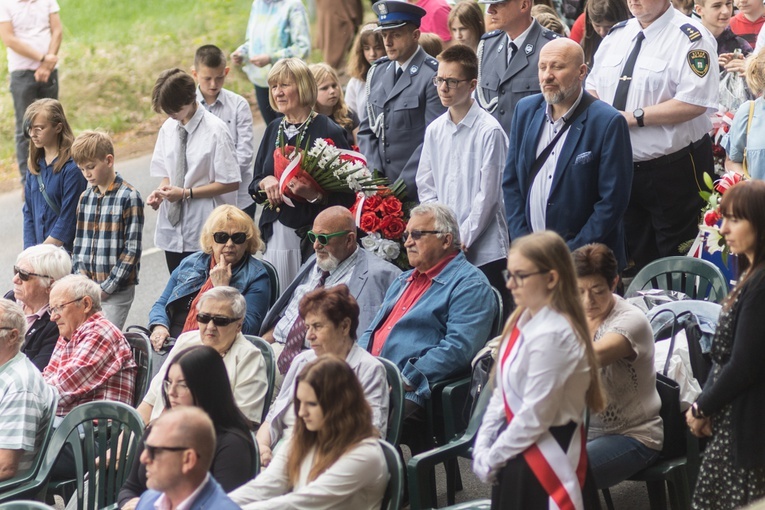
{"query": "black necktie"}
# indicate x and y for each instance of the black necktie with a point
(511, 49)
(399, 72)
(620, 98)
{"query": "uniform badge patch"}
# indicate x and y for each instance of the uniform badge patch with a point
(699, 62)
(499, 50)
(413, 70)
(528, 49)
(383, 9)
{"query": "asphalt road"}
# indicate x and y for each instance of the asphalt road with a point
(153, 278)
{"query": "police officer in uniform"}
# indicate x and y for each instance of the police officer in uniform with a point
(402, 99)
(508, 58)
(659, 69)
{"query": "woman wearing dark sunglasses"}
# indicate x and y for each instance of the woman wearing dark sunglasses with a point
(197, 377)
(220, 314)
(36, 269)
(229, 238)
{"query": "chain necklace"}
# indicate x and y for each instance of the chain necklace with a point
(280, 136)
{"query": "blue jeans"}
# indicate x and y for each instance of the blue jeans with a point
(614, 458)
(25, 91)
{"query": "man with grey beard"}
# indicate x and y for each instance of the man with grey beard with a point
(338, 260)
(569, 165)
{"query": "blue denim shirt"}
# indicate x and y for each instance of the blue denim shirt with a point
(439, 336)
(249, 277)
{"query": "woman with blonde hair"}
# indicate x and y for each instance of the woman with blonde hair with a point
(333, 459)
(228, 240)
(749, 118)
(546, 377)
(331, 102)
(466, 23)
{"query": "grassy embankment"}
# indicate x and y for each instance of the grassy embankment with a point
(111, 54)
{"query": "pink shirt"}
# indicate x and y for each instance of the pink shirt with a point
(436, 19)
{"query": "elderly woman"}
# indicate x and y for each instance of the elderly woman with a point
(36, 269)
(628, 435)
(293, 93)
(228, 240)
(332, 317)
(220, 315)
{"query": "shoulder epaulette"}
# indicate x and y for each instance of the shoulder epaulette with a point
(493, 33)
(693, 33)
(619, 25)
(380, 60)
(549, 34)
(432, 63)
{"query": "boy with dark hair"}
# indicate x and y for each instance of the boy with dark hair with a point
(107, 243)
(194, 156)
(461, 165)
(210, 71)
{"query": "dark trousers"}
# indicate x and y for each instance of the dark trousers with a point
(414, 433)
(25, 91)
(493, 272)
(665, 205)
(261, 95)
(174, 259)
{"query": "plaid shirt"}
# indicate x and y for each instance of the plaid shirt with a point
(96, 364)
(107, 245)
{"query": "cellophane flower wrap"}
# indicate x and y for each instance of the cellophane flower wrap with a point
(709, 228)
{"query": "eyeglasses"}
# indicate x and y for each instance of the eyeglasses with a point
(181, 388)
(204, 318)
(324, 238)
(24, 275)
(451, 83)
(36, 130)
(223, 237)
(518, 278)
(417, 234)
(55, 310)
(152, 451)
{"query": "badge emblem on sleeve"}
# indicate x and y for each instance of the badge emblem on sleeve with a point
(699, 62)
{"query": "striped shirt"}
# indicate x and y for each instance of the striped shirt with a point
(96, 364)
(107, 245)
(24, 406)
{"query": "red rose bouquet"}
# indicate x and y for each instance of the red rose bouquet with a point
(709, 237)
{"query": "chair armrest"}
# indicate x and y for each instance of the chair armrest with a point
(453, 400)
(420, 466)
(30, 490)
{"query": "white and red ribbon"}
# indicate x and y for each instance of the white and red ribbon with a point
(288, 174)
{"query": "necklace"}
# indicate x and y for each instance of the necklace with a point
(292, 130)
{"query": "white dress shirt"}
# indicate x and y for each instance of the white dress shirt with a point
(30, 21)
(356, 97)
(549, 373)
(518, 41)
(461, 165)
(662, 72)
(234, 111)
(356, 481)
(210, 158)
(164, 503)
(540, 188)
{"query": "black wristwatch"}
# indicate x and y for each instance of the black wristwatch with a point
(639, 116)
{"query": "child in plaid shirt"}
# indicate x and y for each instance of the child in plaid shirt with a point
(107, 244)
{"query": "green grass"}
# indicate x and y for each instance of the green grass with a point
(112, 52)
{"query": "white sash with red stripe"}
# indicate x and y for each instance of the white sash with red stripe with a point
(560, 473)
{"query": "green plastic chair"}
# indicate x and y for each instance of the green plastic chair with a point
(696, 278)
(24, 505)
(47, 422)
(478, 504)
(274, 277)
(396, 415)
(394, 492)
(141, 347)
(420, 467)
(270, 359)
(92, 430)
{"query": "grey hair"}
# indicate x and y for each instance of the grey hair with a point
(47, 259)
(443, 219)
(80, 286)
(228, 294)
(12, 317)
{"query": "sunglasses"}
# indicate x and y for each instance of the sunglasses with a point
(205, 318)
(24, 275)
(324, 238)
(152, 451)
(417, 234)
(223, 237)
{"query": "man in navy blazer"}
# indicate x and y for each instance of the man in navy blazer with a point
(582, 188)
(178, 454)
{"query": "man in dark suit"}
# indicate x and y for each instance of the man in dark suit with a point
(508, 57)
(569, 165)
(402, 99)
(178, 454)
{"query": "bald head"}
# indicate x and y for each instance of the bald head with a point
(336, 217)
(338, 247)
(191, 427)
(561, 74)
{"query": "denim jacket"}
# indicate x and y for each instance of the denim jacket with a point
(439, 336)
(249, 277)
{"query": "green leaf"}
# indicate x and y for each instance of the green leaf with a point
(708, 181)
(705, 195)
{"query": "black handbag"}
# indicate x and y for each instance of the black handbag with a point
(669, 392)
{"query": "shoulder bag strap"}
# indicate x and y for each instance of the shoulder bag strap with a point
(41, 187)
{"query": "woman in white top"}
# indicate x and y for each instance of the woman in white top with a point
(333, 459)
(627, 436)
(531, 441)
